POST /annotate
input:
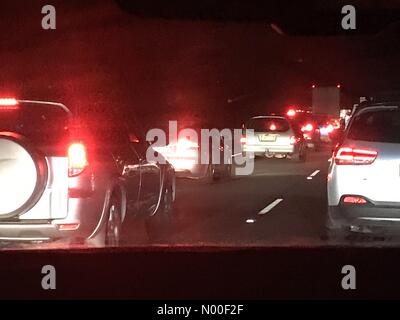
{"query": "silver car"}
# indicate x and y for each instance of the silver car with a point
(274, 136)
(364, 174)
(60, 179)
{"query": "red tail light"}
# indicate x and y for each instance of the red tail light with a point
(291, 113)
(77, 159)
(8, 104)
(354, 200)
(307, 128)
(347, 155)
(272, 127)
(68, 226)
(243, 140)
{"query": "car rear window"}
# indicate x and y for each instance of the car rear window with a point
(376, 126)
(268, 125)
(40, 123)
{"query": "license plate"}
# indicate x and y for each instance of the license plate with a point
(268, 138)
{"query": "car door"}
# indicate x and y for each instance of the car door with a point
(150, 175)
(128, 163)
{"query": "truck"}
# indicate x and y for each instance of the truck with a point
(326, 110)
(326, 100)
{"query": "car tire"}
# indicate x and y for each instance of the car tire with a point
(211, 174)
(336, 232)
(250, 155)
(159, 225)
(228, 171)
(299, 156)
(114, 221)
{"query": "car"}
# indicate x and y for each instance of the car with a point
(318, 129)
(364, 174)
(185, 156)
(72, 178)
(274, 136)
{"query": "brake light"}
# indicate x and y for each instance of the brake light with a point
(243, 140)
(294, 140)
(8, 104)
(354, 200)
(291, 113)
(77, 159)
(354, 156)
(307, 128)
(272, 127)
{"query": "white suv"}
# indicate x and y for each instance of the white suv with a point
(274, 136)
(60, 179)
(364, 175)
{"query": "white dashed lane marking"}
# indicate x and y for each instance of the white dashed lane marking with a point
(270, 206)
(312, 175)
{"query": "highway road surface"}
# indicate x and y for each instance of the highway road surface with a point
(283, 203)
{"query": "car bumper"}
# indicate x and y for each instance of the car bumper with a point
(39, 231)
(86, 217)
(367, 217)
(265, 149)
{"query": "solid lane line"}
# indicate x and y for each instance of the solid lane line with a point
(270, 206)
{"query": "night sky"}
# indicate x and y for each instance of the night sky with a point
(150, 70)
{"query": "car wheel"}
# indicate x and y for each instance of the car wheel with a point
(168, 200)
(114, 222)
(250, 155)
(212, 174)
(159, 226)
(228, 169)
(299, 156)
(317, 146)
(335, 232)
(303, 155)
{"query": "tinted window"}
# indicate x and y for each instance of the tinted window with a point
(376, 126)
(268, 125)
(41, 124)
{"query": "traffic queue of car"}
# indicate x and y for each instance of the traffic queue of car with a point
(289, 135)
(64, 177)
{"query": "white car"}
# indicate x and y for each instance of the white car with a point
(274, 136)
(364, 175)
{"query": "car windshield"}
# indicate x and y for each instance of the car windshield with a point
(167, 93)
